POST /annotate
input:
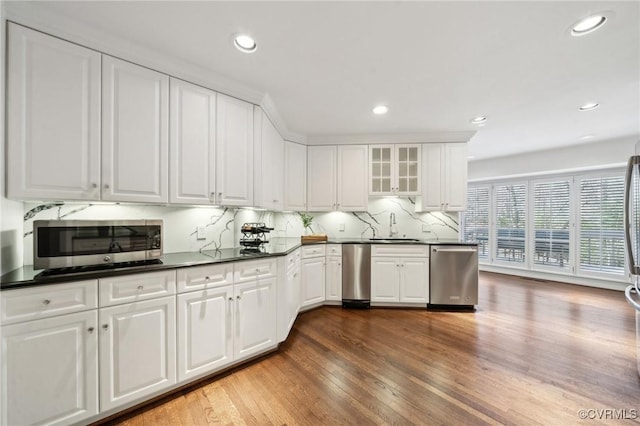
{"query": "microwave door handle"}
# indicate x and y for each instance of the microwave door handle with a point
(633, 162)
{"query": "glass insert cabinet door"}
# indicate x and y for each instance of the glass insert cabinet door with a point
(381, 170)
(394, 169)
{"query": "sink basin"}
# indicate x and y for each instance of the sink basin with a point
(392, 239)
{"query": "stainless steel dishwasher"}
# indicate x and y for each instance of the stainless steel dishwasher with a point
(356, 275)
(453, 276)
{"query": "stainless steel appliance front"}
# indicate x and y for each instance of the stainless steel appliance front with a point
(356, 275)
(72, 243)
(453, 277)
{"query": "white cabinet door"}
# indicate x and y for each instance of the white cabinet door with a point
(321, 178)
(137, 350)
(135, 133)
(394, 169)
(293, 295)
(385, 276)
(414, 280)
(234, 152)
(192, 144)
(444, 169)
(334, 278)
(407, 169)
(455, 176)
(53, 118)
(432, 187)
(313, 281)
(269, 163)
(353, 175)
(50, 370)
(295, 193)
(205, 331)
(255, 317)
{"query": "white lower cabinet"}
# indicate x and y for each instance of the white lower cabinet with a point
(137, 350)
(255, 317)
(396, 279)
(334, 279)
(312, 268)
(50, 370)
(288, 290)
(205, 331)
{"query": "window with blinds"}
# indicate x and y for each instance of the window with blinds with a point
(601, 217)
(551, 223)
(511, 219)
(476, 219)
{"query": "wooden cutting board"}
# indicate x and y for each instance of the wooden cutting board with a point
(313, 238)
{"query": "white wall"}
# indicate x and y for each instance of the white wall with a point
(586, 156)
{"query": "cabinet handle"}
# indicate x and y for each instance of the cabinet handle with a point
(90, 330)
(140, 288)
(105, 327)
(46, 302)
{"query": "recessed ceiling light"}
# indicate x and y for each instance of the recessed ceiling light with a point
(585, 137)
(380, 110)
(245, 43)
(480, 120)
(588, 25)
(589, 106)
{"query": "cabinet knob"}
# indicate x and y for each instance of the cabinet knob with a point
(238, 297)
(46, 302)
(106, 186)
(105, 327)
(220, 194)
(94, 185)
(231, 299)
(90, 330)
(106, 258)
(206, 278)
(140, 288)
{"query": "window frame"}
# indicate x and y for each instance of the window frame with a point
(494, 229)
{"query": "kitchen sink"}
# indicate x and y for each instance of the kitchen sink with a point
(392, 239)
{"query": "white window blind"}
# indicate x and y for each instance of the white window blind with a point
(476, 219)
(551, 223)
(602, 224)
(511, 218)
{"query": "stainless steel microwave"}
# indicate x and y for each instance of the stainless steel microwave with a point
(71, 243)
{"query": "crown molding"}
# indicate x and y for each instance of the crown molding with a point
(269, 108)
(391, 138)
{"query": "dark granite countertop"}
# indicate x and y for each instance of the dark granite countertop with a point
(27, 276)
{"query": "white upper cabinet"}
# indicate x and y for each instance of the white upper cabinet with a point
(269, 163)
(337, 178)
(234, 152)
(135, 139)
(394, 170)
(53, 118)
(322, 163)
(192, 144)
(352, 178)
(444, 185)
(295, 169)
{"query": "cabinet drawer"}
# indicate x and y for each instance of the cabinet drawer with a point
(334, 249)
(48, 300)
(400, 250)
(201, 277)
(254, 269)
(131, 288)
(314, 250)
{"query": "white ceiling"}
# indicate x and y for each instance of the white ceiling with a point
(435, 64)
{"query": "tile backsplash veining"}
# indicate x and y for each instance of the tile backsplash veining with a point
(222, 224)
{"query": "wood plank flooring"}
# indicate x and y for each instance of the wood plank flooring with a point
(533, 353)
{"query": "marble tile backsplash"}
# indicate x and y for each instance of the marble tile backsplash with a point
(222, 224)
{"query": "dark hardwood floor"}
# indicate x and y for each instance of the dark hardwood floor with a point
(533, 353)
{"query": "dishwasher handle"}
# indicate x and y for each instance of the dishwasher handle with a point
(455, 250)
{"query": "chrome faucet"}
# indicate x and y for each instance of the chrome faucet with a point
(392, 221)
